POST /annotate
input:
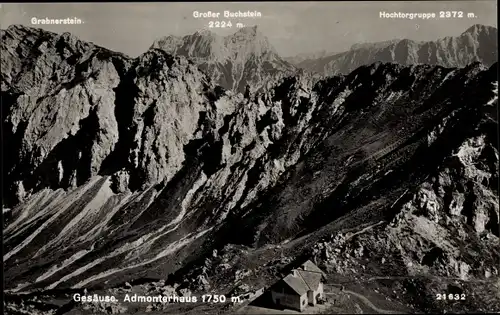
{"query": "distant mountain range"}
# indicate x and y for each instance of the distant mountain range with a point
(248, 58)
(233, 62)
(307, 56)
(477, 43)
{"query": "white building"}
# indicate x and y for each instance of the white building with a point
(302, 287)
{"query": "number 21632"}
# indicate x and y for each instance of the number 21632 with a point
(451, 297)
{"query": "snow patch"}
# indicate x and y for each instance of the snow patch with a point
(495, 96)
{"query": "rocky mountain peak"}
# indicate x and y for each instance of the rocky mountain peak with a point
(249, 31)
(234, 61)
(19, 29)
(205, 32)
(248, 40)
(480, 28)
(167, 43)
(477, 43)
(112, 99)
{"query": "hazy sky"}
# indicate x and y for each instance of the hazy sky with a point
(292, 27)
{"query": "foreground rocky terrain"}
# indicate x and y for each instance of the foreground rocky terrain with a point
(477, 43)
(233, 62)
(142, 175)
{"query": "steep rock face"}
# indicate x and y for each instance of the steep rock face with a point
(77, 110)
(57, 91)
(477, 43)
(233, 62)
(368, 115)
(173, 135)
(412, 174)
(444, 235)
(192, 167)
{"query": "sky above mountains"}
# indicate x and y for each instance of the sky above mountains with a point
(292, 28)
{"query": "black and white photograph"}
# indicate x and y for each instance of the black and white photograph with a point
(292, 157)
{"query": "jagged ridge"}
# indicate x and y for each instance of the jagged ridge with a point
(235, 61)
(477, 43)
